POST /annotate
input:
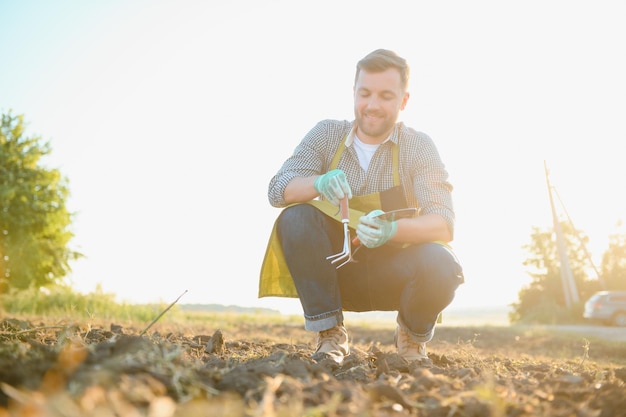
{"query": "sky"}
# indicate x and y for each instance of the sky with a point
(169, 118)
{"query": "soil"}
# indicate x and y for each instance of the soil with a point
(264, 369)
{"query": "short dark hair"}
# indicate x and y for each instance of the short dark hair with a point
(381, 60)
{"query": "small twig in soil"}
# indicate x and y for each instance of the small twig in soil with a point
(34, 329)
(585, 351)
(160, 315)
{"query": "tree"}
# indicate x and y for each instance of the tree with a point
(613, 267)
(34, 219)
(543, 300)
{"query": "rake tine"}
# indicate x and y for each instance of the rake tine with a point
(340, 256)
(336, 257)
(347, 255)
(345, 262)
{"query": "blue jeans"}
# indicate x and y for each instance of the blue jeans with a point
(418, 281)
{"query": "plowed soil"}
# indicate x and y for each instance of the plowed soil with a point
(249, 368)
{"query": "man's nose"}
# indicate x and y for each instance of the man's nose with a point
(373, 103)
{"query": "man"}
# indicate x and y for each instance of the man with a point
(378, 164)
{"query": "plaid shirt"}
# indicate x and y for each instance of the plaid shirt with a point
(423, 175)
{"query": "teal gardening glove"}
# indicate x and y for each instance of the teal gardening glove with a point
(374, 232)
(333, 186)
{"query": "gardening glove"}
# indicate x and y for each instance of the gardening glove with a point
(374, 232)
(333, 186)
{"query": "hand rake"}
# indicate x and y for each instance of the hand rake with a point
(346, 254)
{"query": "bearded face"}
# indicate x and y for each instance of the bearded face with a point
(378, 100)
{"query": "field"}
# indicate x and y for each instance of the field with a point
(246, 365)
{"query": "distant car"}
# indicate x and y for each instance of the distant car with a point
(608, 307)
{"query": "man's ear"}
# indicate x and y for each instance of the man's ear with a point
(405, 99)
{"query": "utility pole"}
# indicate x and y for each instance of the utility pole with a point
(567, 277)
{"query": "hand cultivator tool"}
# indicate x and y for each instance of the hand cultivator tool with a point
(346, 254)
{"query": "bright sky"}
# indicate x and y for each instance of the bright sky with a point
(170, 117)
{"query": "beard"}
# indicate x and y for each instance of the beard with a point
(378, 128)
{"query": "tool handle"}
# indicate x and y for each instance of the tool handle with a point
(345, 211)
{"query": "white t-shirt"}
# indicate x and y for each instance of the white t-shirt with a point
(365, 152)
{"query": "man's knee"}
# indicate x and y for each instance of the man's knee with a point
(295, 219)
(295, 213)
(443, 265)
